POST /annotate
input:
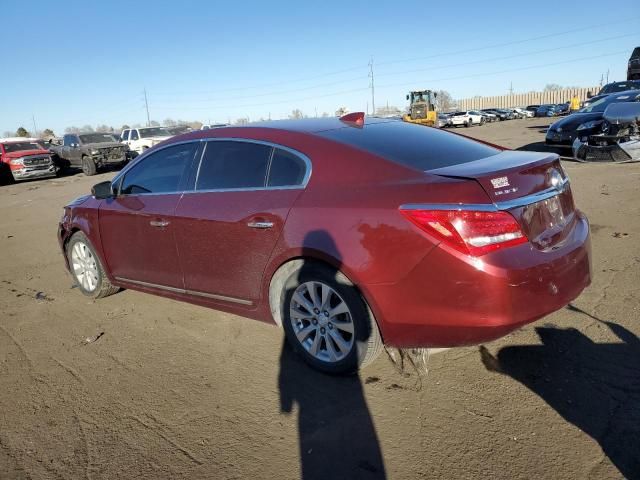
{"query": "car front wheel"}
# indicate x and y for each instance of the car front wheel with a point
(89, 166)
(327, 321)
(86, 268)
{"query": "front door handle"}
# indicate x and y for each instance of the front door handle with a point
(261, 225)
(159, 223)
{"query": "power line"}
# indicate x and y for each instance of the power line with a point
(392, 62)
(506, 71)
(514, 42)
(507, 57)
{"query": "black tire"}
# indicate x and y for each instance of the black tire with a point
(103, 287)
(89, 166)
(469, 123)
(367, 343)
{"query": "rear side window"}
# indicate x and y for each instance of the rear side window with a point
(133, 135)
(286, 169)
(414, 146)
(159, 172)
(232, 165)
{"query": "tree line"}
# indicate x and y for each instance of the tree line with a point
(444, 102)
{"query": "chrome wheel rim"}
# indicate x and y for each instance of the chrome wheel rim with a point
(84, 266)
(322, 322)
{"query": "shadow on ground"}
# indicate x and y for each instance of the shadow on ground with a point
(594, 386)
(337, 437)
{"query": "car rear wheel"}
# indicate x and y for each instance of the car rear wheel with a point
(327, 322)
(86, 268)
(89, 166)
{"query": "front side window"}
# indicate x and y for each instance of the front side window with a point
(286, 169)
(69, 140)
(160, 172)
(125, 136)
(233, 165)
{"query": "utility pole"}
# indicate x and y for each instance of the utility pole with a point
(607, 75)
(146, 105)
(373, 97)
(511, 89)
(35, 129)
(601, 78)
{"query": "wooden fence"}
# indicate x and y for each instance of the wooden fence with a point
(524, 99)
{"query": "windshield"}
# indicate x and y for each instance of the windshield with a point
(619, 87)
(19, 147)
(97, 138)
(154, 132)
(600, 105)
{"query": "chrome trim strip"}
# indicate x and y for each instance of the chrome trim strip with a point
(492, 207)
(478, 207)
(187, 292)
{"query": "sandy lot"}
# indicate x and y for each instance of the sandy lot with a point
(171, 390)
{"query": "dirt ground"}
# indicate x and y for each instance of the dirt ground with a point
(171, 390)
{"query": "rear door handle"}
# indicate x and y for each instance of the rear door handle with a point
(260, 225)
(159, 223)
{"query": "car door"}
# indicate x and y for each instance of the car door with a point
(228, 225)
(137, 226)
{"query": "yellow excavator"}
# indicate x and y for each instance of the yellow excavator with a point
(422, 108)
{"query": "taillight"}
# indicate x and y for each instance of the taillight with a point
(472, 232)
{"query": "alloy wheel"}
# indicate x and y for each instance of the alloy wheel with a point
(322, 321)
(85, 267)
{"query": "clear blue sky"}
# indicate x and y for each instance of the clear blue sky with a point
(82, 62)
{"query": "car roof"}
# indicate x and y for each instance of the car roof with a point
(314, 125)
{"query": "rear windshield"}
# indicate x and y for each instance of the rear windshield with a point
(414, 146)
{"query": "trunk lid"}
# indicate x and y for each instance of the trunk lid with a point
(532, 186)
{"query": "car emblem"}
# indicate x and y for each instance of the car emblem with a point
(555, 179)
(500, 182)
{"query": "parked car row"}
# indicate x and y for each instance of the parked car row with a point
(468, 118)
(587, 121)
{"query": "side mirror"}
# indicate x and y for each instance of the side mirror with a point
(74, 145)
(589, 94)
(102, 190)
(407, 97)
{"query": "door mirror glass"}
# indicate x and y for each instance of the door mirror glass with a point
(102, 190)
(589, 94)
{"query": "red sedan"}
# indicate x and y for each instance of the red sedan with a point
(348, 233)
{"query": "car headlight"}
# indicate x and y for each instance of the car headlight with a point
(559, 129)
(95, 152)
(16, 161)
(589, 125)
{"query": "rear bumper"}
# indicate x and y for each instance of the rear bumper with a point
(450, 300)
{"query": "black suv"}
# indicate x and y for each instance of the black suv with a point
(633, 70)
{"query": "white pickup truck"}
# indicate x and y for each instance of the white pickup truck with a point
(139, 139)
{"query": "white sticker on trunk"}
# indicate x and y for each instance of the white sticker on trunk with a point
(500, 182)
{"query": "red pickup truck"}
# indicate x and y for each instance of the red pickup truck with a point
(25, 159)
